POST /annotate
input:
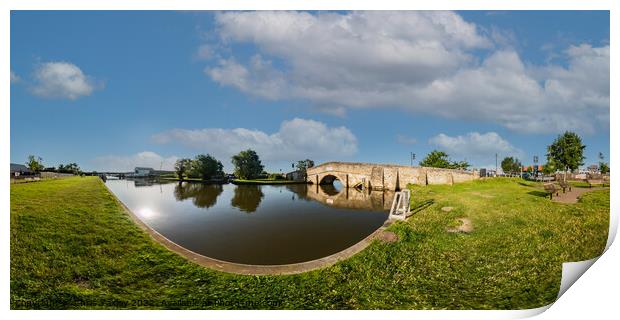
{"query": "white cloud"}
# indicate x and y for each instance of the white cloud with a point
(406, 140)
(419, 61)
(259, 78)
(61, 80)
(475, 147)
(296, 139)
(128, 163)
(14, 77)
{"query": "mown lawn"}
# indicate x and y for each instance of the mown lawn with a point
(72, 246)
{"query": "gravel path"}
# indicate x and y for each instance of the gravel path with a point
(573, 195)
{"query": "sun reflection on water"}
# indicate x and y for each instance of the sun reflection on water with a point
(147, 213)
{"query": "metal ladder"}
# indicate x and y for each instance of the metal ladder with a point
(400, 205)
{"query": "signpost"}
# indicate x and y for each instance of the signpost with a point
(536, 167)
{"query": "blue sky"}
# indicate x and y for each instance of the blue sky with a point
(113, 90)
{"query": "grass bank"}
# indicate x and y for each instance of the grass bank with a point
(72, 246)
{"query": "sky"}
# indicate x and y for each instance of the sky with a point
(114, 90)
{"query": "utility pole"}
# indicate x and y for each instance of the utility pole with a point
(496, 164)
(535, 168)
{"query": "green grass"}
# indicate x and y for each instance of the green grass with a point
(72, 246)
(265, 181)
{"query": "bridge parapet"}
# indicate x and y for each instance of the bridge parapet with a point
(384, 176)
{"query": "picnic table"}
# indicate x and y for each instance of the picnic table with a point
(565, 185)
(551, 188)
(595, 182)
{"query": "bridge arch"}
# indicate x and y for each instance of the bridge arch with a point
(329, 179)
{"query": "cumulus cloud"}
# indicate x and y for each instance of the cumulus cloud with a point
(14, 77)
(475, 147)
(61, 80)
(419, 61)
(296, 139)
(258, 78)
(126, 163)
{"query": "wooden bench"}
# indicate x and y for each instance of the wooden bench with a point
(565, 185)
(551, 188)
(595, 182)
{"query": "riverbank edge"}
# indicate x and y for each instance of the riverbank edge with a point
(249, 269)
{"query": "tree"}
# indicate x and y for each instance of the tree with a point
(207, 167)
(459, 165)
(182, 167)
(303, 165)
(602, 165)
(35, 163)
(511, 165)
(247, 164)
(436, 159)
(566, 152)
(439, 159)
(69, 168)
(549, 168)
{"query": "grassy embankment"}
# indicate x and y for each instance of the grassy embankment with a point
(72, 246)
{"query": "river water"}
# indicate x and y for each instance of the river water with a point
(250, 224)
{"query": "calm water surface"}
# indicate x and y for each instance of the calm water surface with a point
(264, 225)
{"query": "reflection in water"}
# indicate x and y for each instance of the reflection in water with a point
(247, 197)
(288, 224)
(202, 195)
(346, 198)
(144, 182)
(329, 189)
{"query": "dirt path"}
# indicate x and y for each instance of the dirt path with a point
(573, 195)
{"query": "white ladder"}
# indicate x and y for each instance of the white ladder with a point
(400, 205)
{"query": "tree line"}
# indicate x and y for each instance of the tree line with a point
(247, 165)
(35, 164)
(566, 153)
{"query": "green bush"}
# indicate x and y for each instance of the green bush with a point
(276, 176)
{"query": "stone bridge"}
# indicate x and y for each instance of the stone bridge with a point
(384, 176)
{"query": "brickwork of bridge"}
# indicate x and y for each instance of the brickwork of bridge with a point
(384, 176)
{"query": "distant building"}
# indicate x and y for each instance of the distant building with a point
(20, 170)
(538, 168)
(295, 176)
(143, 172)
(593, 168)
